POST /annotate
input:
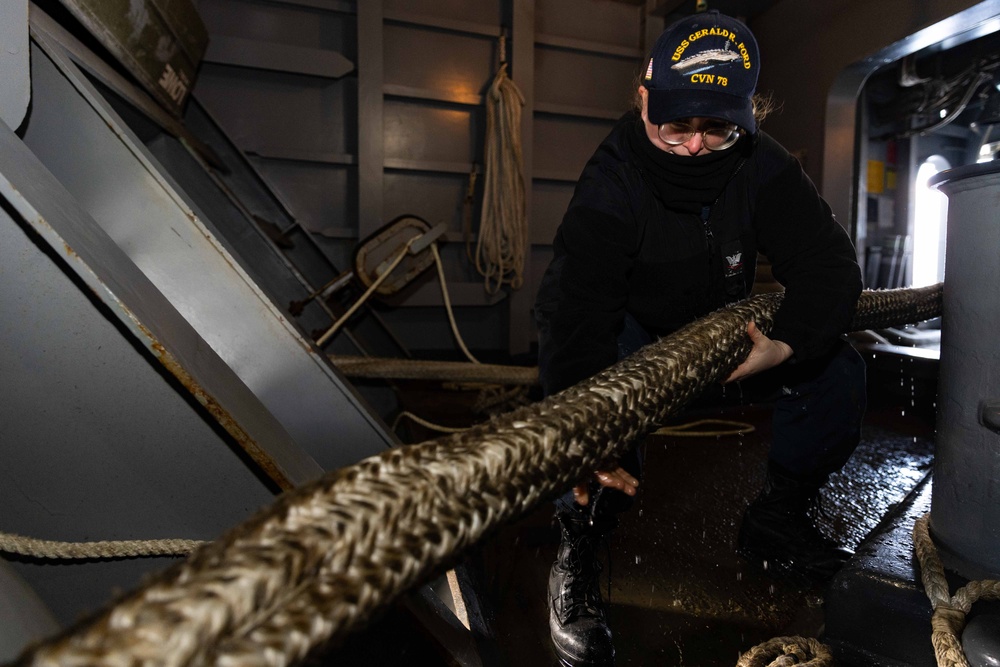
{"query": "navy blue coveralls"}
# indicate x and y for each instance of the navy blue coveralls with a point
(628, 268)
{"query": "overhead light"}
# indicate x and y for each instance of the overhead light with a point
(943, 113)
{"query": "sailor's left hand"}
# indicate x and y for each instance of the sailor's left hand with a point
(766, 353)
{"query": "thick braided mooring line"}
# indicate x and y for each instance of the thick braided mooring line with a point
(325, 557)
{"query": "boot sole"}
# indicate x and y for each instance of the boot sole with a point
(566, 660)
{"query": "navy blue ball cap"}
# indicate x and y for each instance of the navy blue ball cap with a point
(703, 65)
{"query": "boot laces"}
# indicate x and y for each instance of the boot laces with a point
(582, 592)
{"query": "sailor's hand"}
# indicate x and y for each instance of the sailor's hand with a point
(766, 353)
(616, 479)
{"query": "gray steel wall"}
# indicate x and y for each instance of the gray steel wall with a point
(401, 133)
(98, 443)
(14, 94)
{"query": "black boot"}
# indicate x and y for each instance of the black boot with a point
(577, 615)
(778, 532)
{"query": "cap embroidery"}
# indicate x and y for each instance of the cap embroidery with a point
(706, 60)
(708, 54)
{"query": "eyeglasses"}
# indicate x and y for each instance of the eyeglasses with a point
(715, 138)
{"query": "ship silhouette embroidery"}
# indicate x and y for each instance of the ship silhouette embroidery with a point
(706, 60)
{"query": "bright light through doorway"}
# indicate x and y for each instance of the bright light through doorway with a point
(929, 225)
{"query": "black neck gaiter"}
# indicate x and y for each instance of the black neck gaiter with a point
(685, 183)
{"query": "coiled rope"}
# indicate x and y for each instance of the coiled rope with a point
(503, 226)
(949, 614)
(787, 651)
(325, 557)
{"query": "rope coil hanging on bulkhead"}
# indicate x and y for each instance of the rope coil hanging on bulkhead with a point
(503, 226)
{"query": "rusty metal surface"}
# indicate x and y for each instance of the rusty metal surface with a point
(143, 310)
(97, 440)
(77, 137)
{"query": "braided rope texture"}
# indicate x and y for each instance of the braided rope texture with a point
(788, 651)
(326, 557)
(950, 611)
(503, 228)
(36, 548)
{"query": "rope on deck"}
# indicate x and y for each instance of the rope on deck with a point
(787, 651)
(697, 429)
(949, 610)
(326, 557)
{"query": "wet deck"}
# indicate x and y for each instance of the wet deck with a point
(679, 594)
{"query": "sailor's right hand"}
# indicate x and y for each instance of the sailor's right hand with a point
(615, 479)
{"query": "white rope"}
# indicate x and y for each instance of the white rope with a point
(406, 414)
(695, 429)
(950, 611)
(788, 651)
(400, 254)
(447, 305)
(503, 226)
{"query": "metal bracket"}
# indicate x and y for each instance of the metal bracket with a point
(989, 414)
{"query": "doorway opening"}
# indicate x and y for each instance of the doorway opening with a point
(930, 219)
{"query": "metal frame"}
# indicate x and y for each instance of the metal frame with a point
(76, 135)
(842, 185)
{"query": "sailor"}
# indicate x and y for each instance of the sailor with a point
(665, 226)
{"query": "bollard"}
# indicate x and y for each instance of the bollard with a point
(965, 507)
